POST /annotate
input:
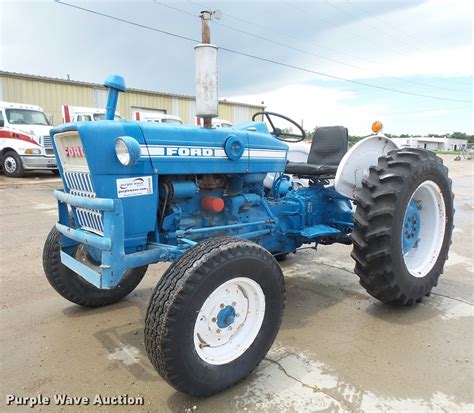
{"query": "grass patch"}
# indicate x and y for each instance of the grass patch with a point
(447, 152)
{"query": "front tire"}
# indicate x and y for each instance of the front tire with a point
(12, 165)
(214, 315)
(74, 288)
(403, 226)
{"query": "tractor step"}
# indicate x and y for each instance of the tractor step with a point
(316, 231)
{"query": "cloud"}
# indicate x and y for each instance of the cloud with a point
(413, 40)
(319, 106)
(433, 38)
(324, 106)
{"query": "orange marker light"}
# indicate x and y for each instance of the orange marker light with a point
(212, 203)
(377, 126)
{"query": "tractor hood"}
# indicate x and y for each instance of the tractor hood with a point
(176, 149)
(185, 149)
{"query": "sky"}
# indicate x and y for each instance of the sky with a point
(412, 47)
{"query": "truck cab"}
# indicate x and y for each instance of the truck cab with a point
(84, 114)
(221, 123)
(25, 143)
(149, 116)
(216, 122)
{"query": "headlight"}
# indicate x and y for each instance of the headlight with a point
(127, 150)
(32, 152)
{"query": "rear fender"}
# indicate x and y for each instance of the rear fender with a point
(355, 164)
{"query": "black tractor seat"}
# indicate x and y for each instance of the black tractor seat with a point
(328, 148)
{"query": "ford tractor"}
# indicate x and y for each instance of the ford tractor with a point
(137, 193)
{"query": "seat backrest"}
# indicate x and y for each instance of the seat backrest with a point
(329, 145)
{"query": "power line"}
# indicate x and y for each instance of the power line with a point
(300, 50)
(176, 9)
(253, 24)
(305, 11)
(386, 23)
(341, 9)
(405, 34)
(344, 79)
(282, 64)
(143, 26)
(258, 36)
(371, 39)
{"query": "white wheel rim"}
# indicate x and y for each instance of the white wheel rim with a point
(422, 256)
(10, 164)
(229, 321)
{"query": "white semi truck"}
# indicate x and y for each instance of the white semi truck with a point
(25, 143)
(153, 116)
(216, 122)
(84, 114)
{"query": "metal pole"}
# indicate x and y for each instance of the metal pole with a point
(206, 39)
(205, 29)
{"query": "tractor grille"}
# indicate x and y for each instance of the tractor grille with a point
(80, 184)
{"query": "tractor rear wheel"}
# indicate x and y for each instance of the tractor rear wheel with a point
(214, 315)
(402, 226)
(73, 287)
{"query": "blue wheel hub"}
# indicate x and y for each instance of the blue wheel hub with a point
(411, 227)
(226, 317)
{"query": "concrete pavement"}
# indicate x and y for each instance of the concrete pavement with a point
(338, 348)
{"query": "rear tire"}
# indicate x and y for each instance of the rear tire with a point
(12, 165)
(397, 262)
(214, 315)
(74, 288)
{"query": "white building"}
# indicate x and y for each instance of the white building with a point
(432, 144)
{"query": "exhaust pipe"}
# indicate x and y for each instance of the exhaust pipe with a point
(207, 100)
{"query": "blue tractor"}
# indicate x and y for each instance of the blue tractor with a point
(137, 193)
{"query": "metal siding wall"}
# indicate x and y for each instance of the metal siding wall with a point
(226, 112)
(184, 112)
(237, 113)
(99, 97)
(191, 112)
(175, 106)
(143, 100)
(241, 114)
(51, 95)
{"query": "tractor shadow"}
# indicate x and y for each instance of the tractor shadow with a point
(314, 288)
(119, 330)
(314, 291)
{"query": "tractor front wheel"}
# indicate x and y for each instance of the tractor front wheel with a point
(73, 287)
(214, 315)
(403, 226)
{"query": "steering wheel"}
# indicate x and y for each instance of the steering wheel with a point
(283, 136)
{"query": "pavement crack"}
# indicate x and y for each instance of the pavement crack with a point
(309, 386)
(453, 298)
(334, 266)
